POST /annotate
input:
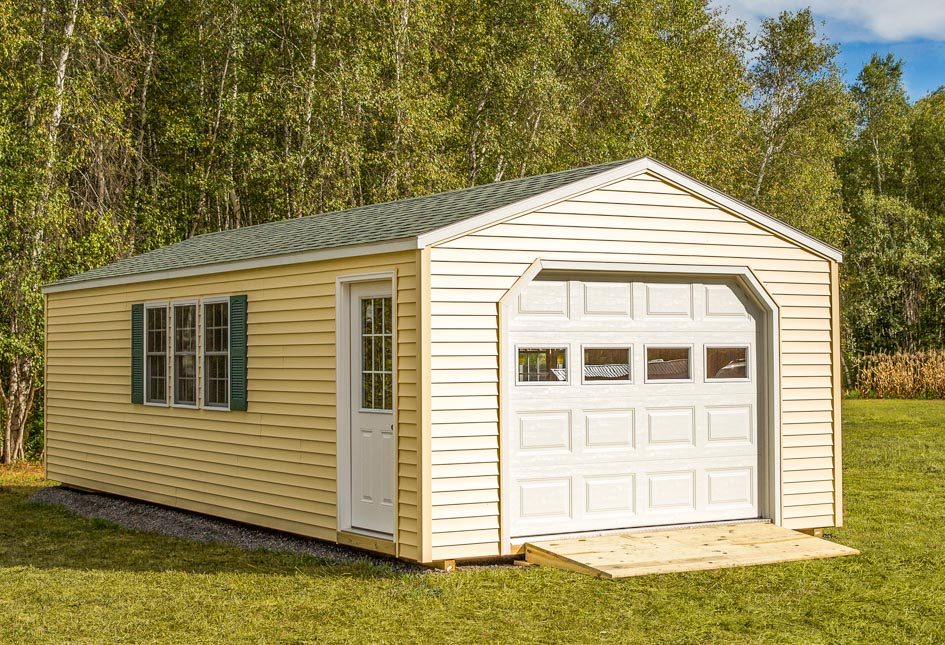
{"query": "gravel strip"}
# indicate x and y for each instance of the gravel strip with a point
(150, 518)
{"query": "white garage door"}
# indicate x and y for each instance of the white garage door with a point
(631, 403)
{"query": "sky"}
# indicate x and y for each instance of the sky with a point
(913, 30)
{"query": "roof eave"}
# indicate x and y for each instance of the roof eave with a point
(391, 246)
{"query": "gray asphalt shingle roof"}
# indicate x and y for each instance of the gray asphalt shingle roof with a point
(389, 221)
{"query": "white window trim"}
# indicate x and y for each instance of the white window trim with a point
(626, 346)
(162, 304)
(663, 381)
(749, 370)
(201, 383)
(567, 364)
(172, 356)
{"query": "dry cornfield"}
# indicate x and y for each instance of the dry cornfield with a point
(903, 375)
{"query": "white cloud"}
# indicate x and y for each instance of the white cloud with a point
(853, 20)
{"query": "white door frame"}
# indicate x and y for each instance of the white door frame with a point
(769, 372)
(343, 395)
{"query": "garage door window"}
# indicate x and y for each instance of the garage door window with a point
(542, 365)
(668, 364)
(726, 363)
(607, 365)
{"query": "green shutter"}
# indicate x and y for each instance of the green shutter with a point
(237, 352)
(137, 353)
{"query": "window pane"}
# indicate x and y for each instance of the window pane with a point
(216, 379)
(366, 354)
(216, 328)
(376, 358)
(367, 392)
(216, 345)
(379, 315)
(606, 363)
(726, 362)
(156, 354)
(667, 363)
(185, 327)
(377, 353)
(157, 379)
(542, 364)
(367, 317)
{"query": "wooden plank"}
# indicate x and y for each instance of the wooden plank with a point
(686, 549)
(366, 542)
(538, 555)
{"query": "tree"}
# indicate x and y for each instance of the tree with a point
(54, 182)
(927, 138)
(878, 158)
(893, 270)
(802, 118)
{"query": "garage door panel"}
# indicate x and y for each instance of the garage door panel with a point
(667, 300)
(545, 499)
(609, 429)
(544, 431)
(721, 301)
(592, 454)
(671, 427)
(544, 298)
(730, 487)
(606, 494)
(671, 491)
(730, 424)
(605, 299)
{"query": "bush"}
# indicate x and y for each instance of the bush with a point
(903, 375)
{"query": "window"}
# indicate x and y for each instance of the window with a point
(607, 364)
(542, 365)
(185, 354)
(668, 363)
(726, 363)
(156, 354)
(216, 354)
(377, 369)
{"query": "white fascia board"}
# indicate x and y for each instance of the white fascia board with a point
(741, 208)
(403, 244)
(627, 171)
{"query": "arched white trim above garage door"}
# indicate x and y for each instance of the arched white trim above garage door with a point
(769, 394)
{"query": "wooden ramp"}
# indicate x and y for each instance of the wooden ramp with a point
(683, 549)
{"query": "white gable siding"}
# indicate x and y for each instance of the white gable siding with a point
(641, 220)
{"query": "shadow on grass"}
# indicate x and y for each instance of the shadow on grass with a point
(48, 536)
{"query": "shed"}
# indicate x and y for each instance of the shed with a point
(451, 376)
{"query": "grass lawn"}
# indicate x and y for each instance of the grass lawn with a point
(65, 579)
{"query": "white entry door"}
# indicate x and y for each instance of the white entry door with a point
(632, 403)
(372, 407)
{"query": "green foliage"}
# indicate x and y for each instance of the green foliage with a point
(802, 116)
(878, 157)
(927, 137)
(893, 287)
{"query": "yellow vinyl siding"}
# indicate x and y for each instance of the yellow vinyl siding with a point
(274, 465)
(646, 221)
